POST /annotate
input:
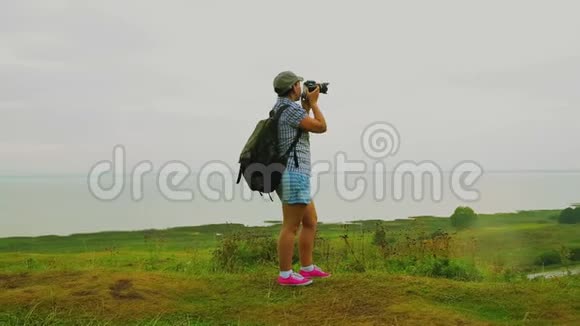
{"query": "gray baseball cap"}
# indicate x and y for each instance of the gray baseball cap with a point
(284, 81)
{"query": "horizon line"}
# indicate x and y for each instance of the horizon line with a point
(494, 171)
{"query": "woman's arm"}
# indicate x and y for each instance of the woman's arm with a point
(316, 124)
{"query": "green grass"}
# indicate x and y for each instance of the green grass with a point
(254, 299)
(168, 277)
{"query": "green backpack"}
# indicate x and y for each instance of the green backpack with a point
(261, 164)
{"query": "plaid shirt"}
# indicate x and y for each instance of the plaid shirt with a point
(287, 130)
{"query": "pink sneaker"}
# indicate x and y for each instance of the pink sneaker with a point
(316, 272)
(294, 279)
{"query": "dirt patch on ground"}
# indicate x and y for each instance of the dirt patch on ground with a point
(103, 294)
(123, 289)
(12, 281)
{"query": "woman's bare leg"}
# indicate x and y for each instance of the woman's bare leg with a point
(293, 214)
(307, 234)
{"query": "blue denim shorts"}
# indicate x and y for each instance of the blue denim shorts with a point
(294, 188)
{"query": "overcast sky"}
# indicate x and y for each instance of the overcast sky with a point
(492, 81)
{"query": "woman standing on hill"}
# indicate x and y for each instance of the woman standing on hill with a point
(294, 189)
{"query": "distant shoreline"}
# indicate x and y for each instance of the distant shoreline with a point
(266, 224)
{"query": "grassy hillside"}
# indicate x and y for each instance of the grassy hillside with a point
(415, 271)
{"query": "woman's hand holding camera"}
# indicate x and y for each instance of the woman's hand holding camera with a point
(311, 98)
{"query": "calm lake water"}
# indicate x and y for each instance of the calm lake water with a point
(38, 205)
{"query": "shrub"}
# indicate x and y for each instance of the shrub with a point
(575, 254)
(439, 233)
(243, 249)
(463, 217)
(570, 216)
(32, 263)
(448, 268)
(437, 267)
(380, 236)
(551, 257)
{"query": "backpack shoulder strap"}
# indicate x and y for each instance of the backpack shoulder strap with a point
(293, 147)
(276, 115)
(298, 134)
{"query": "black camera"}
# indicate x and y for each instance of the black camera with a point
(311, 85)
